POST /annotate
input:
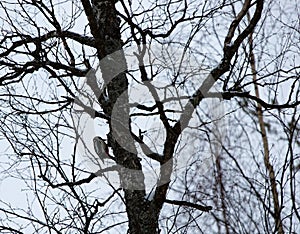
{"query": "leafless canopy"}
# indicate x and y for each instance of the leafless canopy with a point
(197, 101)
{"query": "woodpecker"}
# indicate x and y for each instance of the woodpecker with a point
(101, 148)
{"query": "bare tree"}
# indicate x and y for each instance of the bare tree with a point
(159, 79)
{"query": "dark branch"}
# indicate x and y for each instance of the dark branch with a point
(189, 204)
(229, 95)
(82, 181)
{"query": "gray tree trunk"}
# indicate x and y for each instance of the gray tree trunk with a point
(142, 214)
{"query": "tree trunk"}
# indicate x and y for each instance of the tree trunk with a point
(267, 160)
(142, 214)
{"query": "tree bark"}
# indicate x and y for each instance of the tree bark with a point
(267, 161)
(142, 214)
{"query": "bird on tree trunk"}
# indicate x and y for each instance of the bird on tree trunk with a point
(101, 148)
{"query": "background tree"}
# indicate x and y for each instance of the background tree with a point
(66, 62)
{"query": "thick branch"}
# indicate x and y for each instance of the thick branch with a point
(82, 181)
(229, 95)
(189, 204)
(85, 40)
